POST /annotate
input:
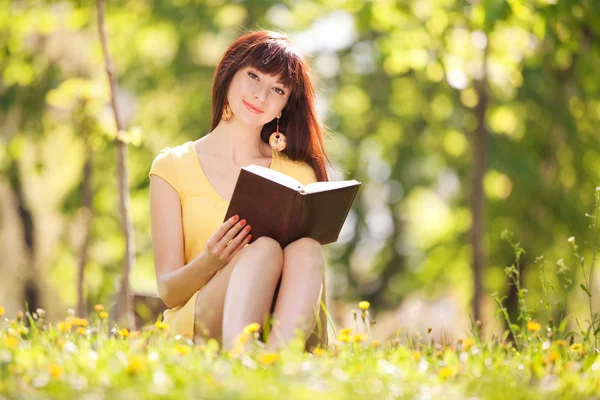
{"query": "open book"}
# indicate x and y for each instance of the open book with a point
(280, 207)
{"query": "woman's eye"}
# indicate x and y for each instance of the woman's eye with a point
(252, 75)
(279, 90)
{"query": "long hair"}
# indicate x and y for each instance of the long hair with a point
(272, 53)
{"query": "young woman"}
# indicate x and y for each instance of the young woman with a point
(213, 281)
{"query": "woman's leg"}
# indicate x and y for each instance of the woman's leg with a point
(298, 301)
(251, 288)
(210, 303)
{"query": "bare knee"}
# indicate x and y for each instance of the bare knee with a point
(267, 248)
(308, 250)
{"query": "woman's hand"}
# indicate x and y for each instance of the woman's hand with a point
(226, 241)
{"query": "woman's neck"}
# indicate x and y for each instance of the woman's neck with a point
(237, 143)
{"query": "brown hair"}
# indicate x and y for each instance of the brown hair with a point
(272, 53)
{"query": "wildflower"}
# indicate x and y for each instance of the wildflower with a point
(269, 358)
(417, 355)
(345, 331)
(40, 312)
(446, 372)
(64, 326)
(561, 343)
(79, 322)
(182, 349)
(438, 354)
(80, 330)
(344, 338)
(135, 364)
(571, 239)
(98, 308)
(319, 352)
(577, 348)
(1, 311)
(103, 315)
(364, 305)
(60, 343)
(467, 343)
(11, 342)
(358, 337)
(124, 333)
(56, 371)
(19, 316)
(374, 344)
(161, 326)
(239, 344)
(533, 326)
(251, 328)
(550, 358)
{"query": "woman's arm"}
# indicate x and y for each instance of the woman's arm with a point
(176, 282)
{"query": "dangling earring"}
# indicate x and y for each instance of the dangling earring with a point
(277, 140)
(227, 112)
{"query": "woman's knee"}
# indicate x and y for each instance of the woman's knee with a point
(308, 250)
(268, 248)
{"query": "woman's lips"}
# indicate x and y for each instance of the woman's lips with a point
(252, 108)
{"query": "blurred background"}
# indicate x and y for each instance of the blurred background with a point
(461, 118)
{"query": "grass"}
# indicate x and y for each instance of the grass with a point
(95, 359)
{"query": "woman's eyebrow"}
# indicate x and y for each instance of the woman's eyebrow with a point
(277, 81)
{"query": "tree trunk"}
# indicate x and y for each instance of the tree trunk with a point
(88, 212)
(477, 199)
(125, 311)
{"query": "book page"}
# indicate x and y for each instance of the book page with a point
(275, 176)
(325, 186)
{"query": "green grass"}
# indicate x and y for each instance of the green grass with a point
(93, 360)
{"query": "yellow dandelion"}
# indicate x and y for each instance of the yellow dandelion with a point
(550, 358)
(438, 354)
(319, 352)
(64, 326)
(98, 308)
(80, 330)
(251, 328)
(10, 342)
(364, 305)
(533, 326)
(103, 315)
(269, 358)
(374, 344)
(1, 311)
(344, 338)
(135, 364)
(467, 343)
(182, 349)
(161, 326)
(345, 331)
(359, 337)
(446, 372)
(60, 343)
(417, 355)
(561, 343)
(124, 333)
(56, 371)
(577, 348)
(79, 322)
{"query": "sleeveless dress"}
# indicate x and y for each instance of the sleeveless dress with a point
(203, 211)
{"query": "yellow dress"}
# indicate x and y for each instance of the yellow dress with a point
(203, 211)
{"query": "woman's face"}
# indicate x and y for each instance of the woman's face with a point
(256, 98)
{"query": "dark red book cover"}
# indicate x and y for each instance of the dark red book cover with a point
(285, 214)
